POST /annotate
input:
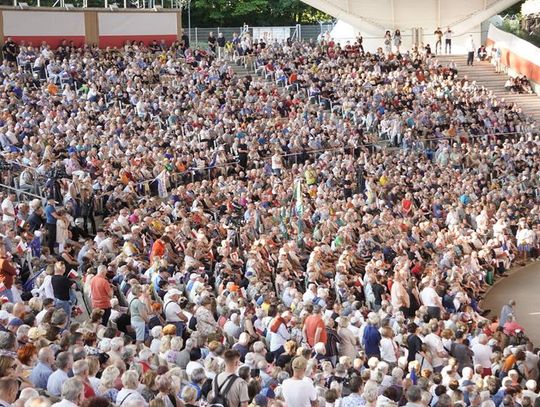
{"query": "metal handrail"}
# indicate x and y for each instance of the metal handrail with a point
(378, 144)
(19, 191)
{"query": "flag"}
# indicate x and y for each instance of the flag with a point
(413, 376)
(162, 186)
(299, 203)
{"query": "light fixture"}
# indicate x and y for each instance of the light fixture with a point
(69, 6)
(158, 8)
(114, 7)
(24, 6)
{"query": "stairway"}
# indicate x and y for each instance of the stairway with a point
(484, 74)
(240, 70)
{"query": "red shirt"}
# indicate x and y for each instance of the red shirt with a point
(101, 292)
(158, 249)
(311, 324)
(7, 273)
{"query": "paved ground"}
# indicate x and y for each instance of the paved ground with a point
(523, 285)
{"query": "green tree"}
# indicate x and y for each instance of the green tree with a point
(232, 13)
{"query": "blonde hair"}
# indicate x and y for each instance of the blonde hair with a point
(109, 375)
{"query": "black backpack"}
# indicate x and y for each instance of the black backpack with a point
(220, 393)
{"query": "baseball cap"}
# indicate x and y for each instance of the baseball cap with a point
(16, 322)
(260, 400)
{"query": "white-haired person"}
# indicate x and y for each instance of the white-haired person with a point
(72, 393)
(107, 387)
(130, 390)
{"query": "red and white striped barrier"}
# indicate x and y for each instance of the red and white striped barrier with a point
(49, 26)
(116, 28)
(517, 54)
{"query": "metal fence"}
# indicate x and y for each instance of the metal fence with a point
(301, 32)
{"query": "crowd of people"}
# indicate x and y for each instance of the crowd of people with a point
(320, 235)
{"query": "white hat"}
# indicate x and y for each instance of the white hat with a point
(173, 291)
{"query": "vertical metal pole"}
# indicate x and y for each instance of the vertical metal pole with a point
(196, 35)
(106, 3)
(189, 21)
(125, 3)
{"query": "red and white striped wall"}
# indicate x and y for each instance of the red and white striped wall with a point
(38, 26)
(117, 27)
(105, 28)
(517, 54)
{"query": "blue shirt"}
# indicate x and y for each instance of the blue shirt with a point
(40, 375)
(353, 400)
(371, 340)
(54, 384)
(49, 210)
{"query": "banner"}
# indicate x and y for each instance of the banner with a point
(271, 34)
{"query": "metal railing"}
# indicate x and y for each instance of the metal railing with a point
(192, 175)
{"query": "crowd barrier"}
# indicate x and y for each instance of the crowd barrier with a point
(518, 55)
(11, 169)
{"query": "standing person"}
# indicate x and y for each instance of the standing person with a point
(221, 41)
(388, 42)
(61, 288)
(139, 314)
(506, 310)
(431, 300)
(173, 312)
(397, 40)
(62, 229)
(10, 50)
(7, 274)
(102, 292)
(438, 40)
(88, 207)
(8, 210)
(243, 154)
(360, 42)
(299, 391)
(50, 223)
(212, 42)
(470, 50)
(185, 40)
(372, 338)
(314, 330)
(448, 41)
(228, 386)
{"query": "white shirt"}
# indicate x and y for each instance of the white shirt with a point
(299, 393)
(429, 296)
(7, 207)
(46, 288)
(388, 350)
(64, 403)
(172, 309)
(482, 355)
(470, 45)
(435, 345)
(279, 338)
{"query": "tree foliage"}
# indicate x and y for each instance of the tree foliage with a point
(233, 13)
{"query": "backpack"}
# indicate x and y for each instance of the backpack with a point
(220, 393)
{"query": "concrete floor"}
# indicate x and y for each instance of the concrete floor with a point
(522, 285)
